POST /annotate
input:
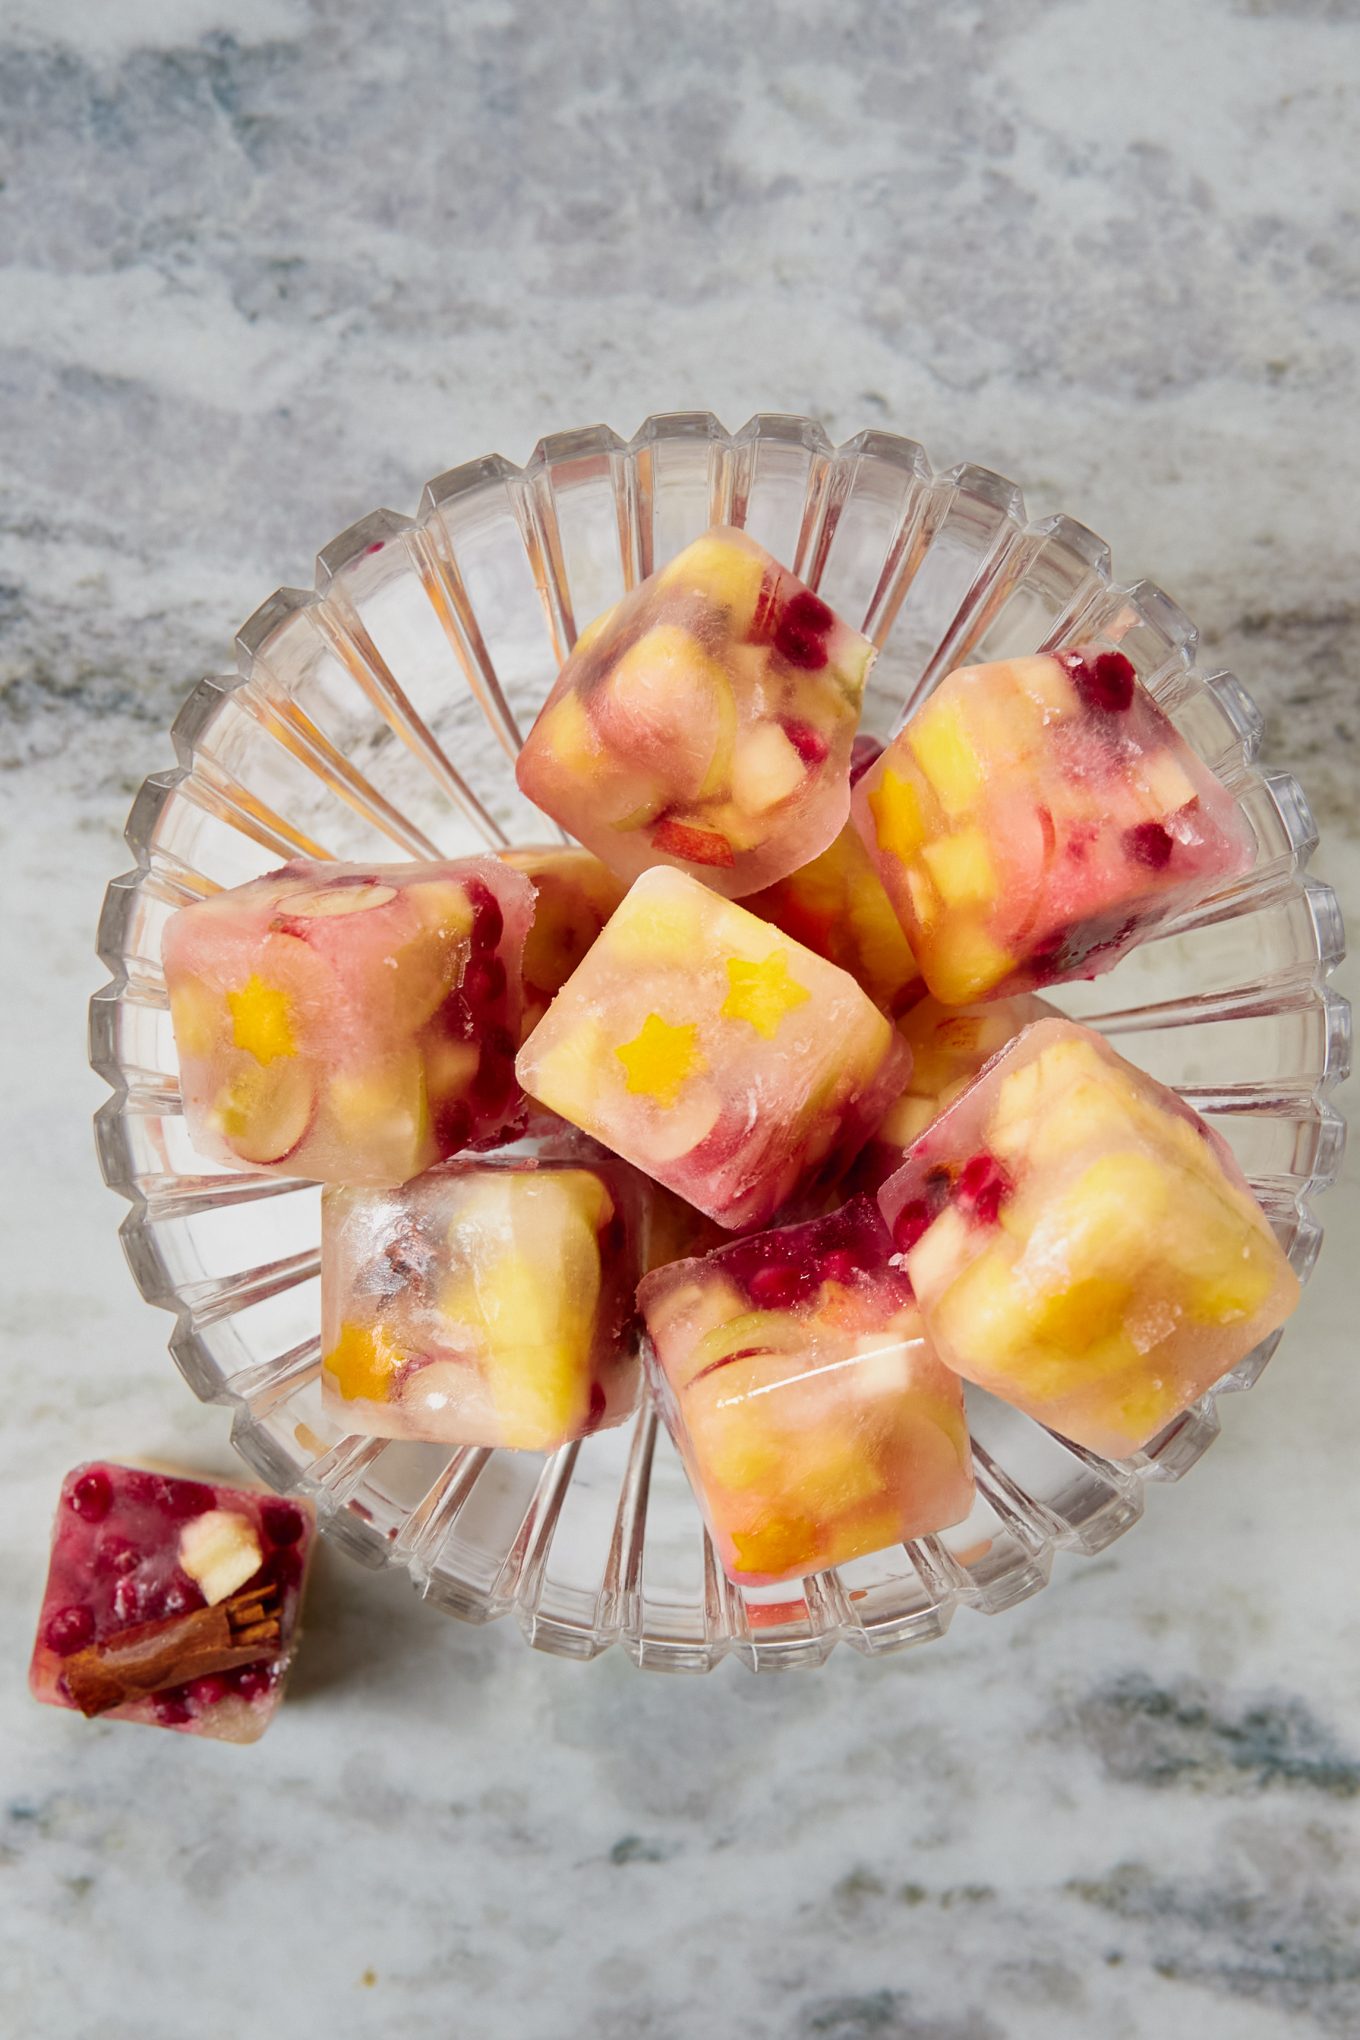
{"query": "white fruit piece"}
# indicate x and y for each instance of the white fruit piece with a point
(220, 1551)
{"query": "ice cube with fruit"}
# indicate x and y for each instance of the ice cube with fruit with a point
(1082, 1244)
(488, 1302)
(949, 1045)
(814, 1421)
(715, 1053)
(350, 1023)
(171, 1601)
(704, 722)
(1038, 816)
(574, 895)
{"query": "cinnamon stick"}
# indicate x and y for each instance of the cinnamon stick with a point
(153, 1655)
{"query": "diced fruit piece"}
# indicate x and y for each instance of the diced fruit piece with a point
(707, 722)
(1038, 816)
(220, 1550)
(725, 1060)
(766, 769)
(261, 1020)
(814, 1421)
(1094, 1259)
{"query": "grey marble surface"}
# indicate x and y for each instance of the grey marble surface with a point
(272, 263)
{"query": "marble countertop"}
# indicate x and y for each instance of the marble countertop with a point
(268, 265)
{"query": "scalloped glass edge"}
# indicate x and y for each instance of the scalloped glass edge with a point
(936, 568)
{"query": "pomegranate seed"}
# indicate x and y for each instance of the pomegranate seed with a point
(864, 752)
(810, 744)
(171, 1711)
(92, 1496)
(777, 1285)
(912, 1222)
(115, 1554)
(489, 924)
(483, 981)
(452, 1124)
(180, 1499)
(70, 1629)
(803, 648)
(283, 1523)
(284, 1567)
(129, 1600)
(252, 1681)
(982, 1188)
(839, 1266)
(598, 1401)
(1104, 682)
(1150, 844)
(495, 1083)
(209, 1691)
(808, 612)
(181, 1597)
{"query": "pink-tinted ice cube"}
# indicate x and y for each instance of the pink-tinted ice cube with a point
(171, 1601)
(1036, 818)
(814, 1420)
(351, 1023)
(705, 722)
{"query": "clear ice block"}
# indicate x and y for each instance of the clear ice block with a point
(814, 1421)
(485, 1303)
(716, 1054)
(1036, 818)
(704, 722)
(1082, 1244)
(171, 1601)
(350, 1023)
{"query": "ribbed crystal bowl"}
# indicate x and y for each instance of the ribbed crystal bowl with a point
(380, 715)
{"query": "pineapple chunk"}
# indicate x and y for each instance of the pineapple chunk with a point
(961, 868)
(363, 1363)
(570, 735)
(722, 570)
(220, 1551)
(966, 964)
(261, 1020)
(899, 823)
(944, 751)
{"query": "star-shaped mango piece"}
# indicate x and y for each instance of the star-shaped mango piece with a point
(363, 1363)
(661, 1059)
(262, 1020)
(763, 993)
(898, 822)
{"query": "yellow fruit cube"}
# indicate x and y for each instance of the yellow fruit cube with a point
(939, 737)
(899, 823)
(261, 1020)
(965, 963)
(962, 868)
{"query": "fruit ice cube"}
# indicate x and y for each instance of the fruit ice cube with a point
(704, 722)
(351, 1023)
(716, 1054)
(1036, 818)
(171, 1601)
(949, 1045)
(574, 896)
(815, 1423)
(486, 1303)
(1082, 1244)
